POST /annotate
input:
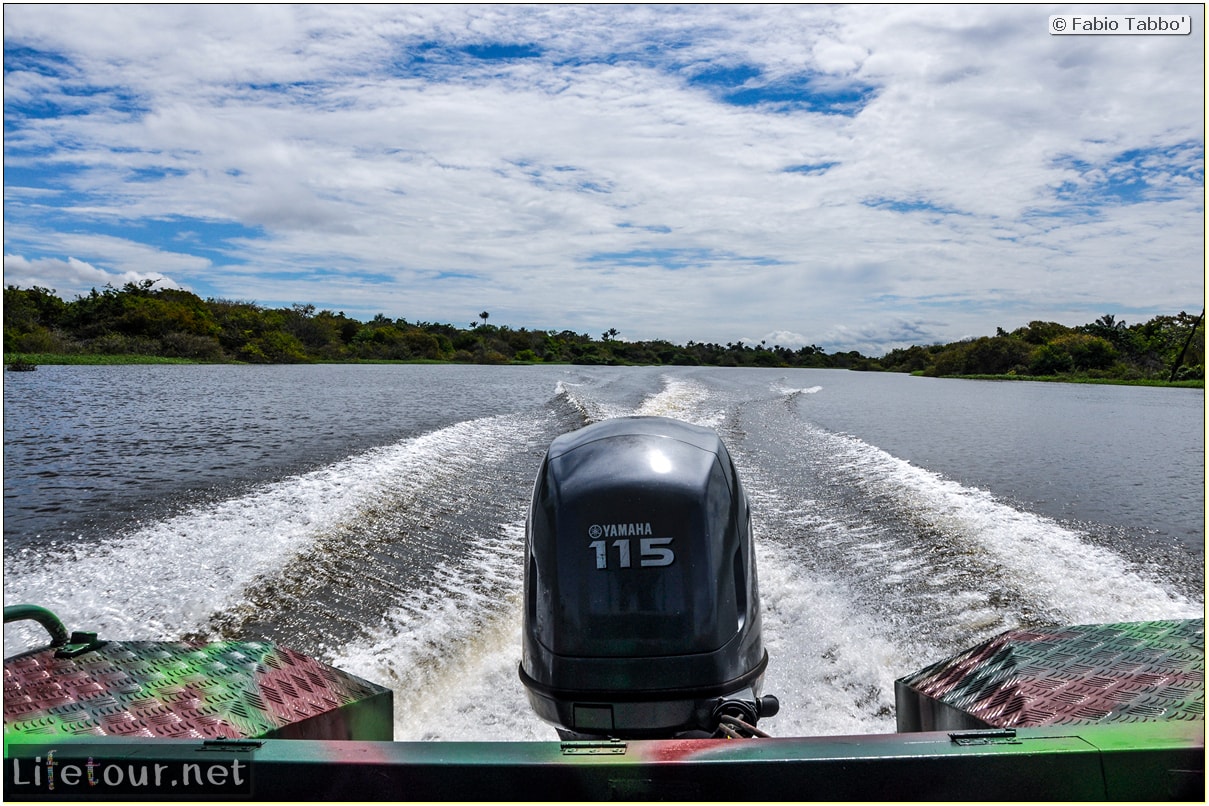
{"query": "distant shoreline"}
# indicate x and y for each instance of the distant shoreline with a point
(99, 360)
(1190, 384)
(90, 359)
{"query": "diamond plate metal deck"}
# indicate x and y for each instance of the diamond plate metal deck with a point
(185, 690)
(1088, 674)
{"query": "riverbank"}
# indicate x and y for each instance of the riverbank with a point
(1188, 384)
(84, 359)
(88, 359)
(92, 360)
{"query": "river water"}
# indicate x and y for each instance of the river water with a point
(373, 516)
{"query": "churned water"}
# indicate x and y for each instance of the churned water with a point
(373, 516)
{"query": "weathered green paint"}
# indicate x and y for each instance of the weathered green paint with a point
(1143, 761)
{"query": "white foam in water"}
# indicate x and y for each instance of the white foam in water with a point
(1073, 579)
(590, 409)
(830, 668)
(451, 651)
(793, 391)
(678, 399)
(170, 577)
(833, 664)
(681, 400)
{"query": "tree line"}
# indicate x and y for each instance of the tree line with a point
(1165, 348)
(139, 319)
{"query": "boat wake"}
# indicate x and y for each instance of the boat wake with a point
(402, 564)
(213, 569)
(450, 651)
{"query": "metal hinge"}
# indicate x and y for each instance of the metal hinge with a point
(604, 747)
(966, 738)
(232, 745)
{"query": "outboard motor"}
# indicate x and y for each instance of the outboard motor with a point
(642, 614)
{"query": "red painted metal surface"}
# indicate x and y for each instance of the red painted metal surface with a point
(1089, 674)
(186, 690)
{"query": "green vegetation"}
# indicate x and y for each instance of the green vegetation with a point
(1162, 351)
(141, 324)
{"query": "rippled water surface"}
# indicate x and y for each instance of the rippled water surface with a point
(374, 515)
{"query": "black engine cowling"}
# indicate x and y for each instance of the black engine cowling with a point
(642, 614)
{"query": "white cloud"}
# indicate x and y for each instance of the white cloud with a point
(780, 338)
(838, 57)
(71, 278)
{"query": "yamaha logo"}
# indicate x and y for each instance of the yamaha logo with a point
(598, 530)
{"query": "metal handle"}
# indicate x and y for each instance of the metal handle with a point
(28, 612)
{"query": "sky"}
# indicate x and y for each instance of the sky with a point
(851, 177)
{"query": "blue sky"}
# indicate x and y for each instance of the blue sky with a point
(855, 177)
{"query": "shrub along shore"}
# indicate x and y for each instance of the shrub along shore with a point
(139, 324)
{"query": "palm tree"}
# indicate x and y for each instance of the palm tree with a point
(484, 316)
(1175, 367)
